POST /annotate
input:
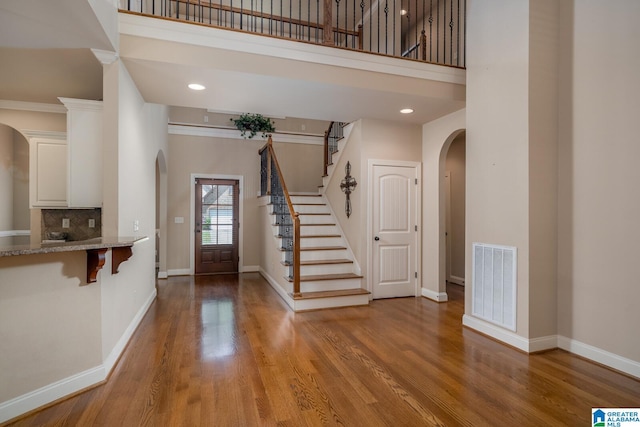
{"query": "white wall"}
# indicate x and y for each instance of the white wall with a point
(455, 166)
(599, 207)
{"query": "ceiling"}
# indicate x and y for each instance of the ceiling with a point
(45, 58)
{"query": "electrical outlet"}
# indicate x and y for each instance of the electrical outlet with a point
(92, 223)
(136, 225)
(65, 222)
(206, 119)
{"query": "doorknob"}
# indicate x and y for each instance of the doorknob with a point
(376, 238)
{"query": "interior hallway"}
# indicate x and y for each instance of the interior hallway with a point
(226, 351)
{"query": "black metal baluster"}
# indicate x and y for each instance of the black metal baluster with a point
(370, 28)
(438, 31)
(378, 47)
(451, 24)
(337, 35)
(281, 21)
(386, 27)
(458, 38)
(362, 18)
(394, 28)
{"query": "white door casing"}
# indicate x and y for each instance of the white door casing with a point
(394, 248)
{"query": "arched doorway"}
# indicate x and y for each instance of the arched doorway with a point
(15, 216)
(161, 215)
(454, 210)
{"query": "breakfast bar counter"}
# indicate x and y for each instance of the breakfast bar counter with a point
(96, 250)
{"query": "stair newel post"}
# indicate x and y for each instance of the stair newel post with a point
(327, 29)
(326, 149)
(423, 46)
(270, 151)
(296, 254)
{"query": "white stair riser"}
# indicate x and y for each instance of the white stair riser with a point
(316, 230)
(315, 219)
(307, 200)
(332, 302)
(330, 285)
(313, 242)
(310, 209)
(313, 270)
(319, 255)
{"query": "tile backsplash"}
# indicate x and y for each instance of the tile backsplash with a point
(78, 223)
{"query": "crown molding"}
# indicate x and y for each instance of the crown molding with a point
(32, 106)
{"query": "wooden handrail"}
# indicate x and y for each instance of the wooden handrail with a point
(295, 217)
(283, 19)
(326, 148)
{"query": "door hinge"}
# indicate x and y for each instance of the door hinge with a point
(416, 274)
(416, 228)
(416, 181)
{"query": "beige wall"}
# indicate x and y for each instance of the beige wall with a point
(289, 124)
(437, 137)
(599, 207)
(6, 178)
(498, 137)
(369, 139)
(49, 329)
(21, 218)
(211, 156)
(455, 165)
(302, 165)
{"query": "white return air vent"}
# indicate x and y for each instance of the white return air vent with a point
(494, 284)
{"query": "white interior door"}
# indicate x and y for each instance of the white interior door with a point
(395, 242)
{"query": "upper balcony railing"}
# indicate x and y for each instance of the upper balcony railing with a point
(425, 30)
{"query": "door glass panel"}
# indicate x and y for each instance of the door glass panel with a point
(217, 214)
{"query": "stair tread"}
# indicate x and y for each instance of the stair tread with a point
(323, 248)
(313, 225)
(327, 261)
(309, 204)
(329, 277)
(329, 294)
(313, 236)
(313, 213)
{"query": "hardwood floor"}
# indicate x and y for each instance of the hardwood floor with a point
(226, 351)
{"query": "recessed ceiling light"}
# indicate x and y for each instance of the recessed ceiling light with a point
(196, 86)
(406, 111)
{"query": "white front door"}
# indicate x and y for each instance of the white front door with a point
(395, 235)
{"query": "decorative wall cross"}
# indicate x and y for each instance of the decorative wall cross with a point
(347, 185)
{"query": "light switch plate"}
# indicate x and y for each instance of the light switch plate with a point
(178, 220)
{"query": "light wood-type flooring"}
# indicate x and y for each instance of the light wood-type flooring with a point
(226, 351)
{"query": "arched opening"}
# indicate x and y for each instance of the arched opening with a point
(161, 216)
(455, 194)
(15, 216)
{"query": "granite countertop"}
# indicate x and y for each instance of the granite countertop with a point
(83, 245)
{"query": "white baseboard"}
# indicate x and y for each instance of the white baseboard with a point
(162, 275)
(179, 272)
(117, 350)
(457, 280)
(80, 381)
(276, 286)
(604, 357)
(543, 343)
(496, 332)
(250, 269)
(435, 296)
(50, 393)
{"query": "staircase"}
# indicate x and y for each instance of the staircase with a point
(328, 274)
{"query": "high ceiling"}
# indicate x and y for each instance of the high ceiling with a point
(44, 49)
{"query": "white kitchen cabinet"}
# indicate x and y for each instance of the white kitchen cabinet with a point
(48, 169)
(84, 144)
